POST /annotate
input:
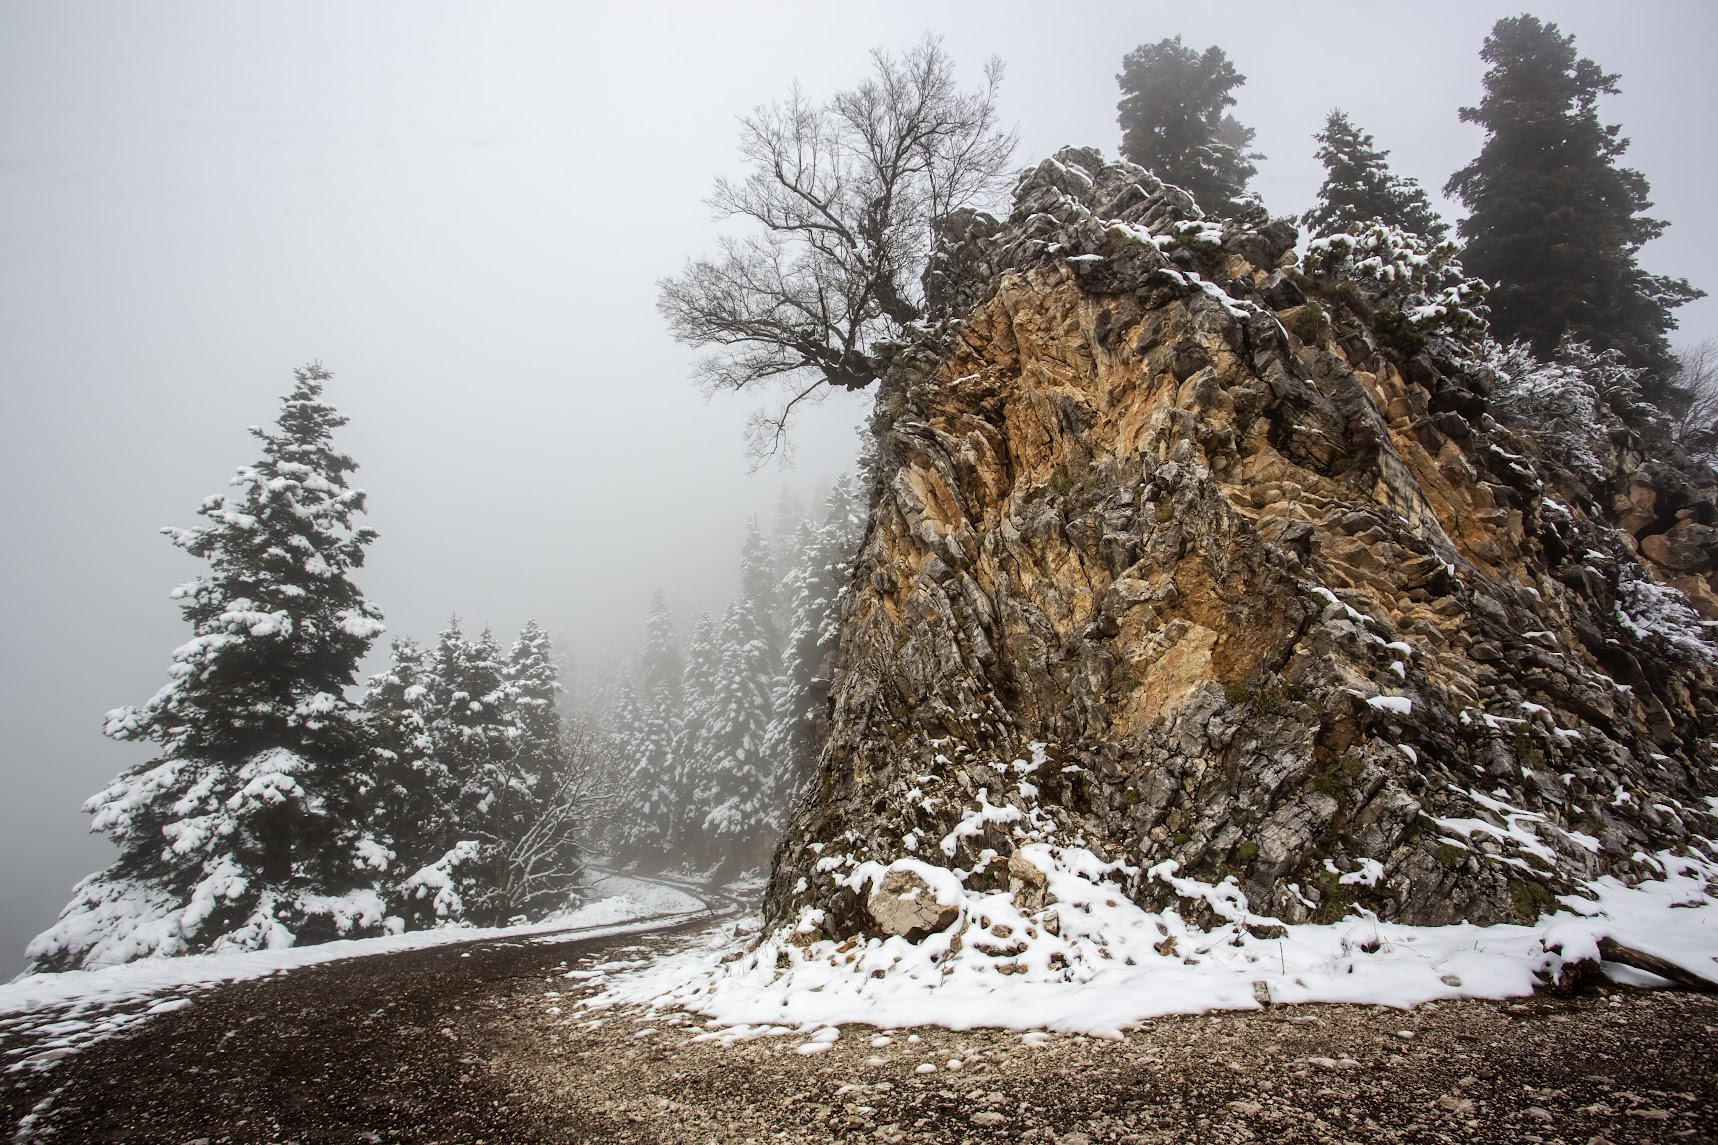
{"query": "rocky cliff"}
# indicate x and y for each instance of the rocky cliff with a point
(1222, 565)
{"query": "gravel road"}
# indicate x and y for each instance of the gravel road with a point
(487, 1043)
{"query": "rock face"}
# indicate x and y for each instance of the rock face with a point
(1218, 569)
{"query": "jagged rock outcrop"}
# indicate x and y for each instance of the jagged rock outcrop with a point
(1180, 553)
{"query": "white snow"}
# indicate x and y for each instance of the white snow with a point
(1095, 963)
(1401, 705)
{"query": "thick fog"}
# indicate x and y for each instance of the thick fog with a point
(461, 210)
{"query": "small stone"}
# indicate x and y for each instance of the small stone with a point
(987, 1119)
(925, 1067)
(1540, 1113)
(1405, 1034)
(1452, 981)
(1245, 1108)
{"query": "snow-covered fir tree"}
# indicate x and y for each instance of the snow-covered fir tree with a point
(245, 831)
(413, 800)
(813, 588)
(738, 783)
(493, 829)
(760, 582)
(692, 742)
(536, 686)
(507, 839)
(1359, 187)
(644, 835)
(722, 734)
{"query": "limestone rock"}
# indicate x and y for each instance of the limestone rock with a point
(905, 905)
(1198, 559)
(1687, 547)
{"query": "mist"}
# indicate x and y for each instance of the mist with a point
(462, 212)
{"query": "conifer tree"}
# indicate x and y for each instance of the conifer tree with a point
(1175, 122)
(501, 836)
(1359, 187)
(737, 784)
(693, 745)
(414, 795)
(536, 685)
(814, 589)
(1555, 224)
(759, 582)
(645, 831)
(467, 731)
(245, 831)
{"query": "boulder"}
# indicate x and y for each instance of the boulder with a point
(904, 904)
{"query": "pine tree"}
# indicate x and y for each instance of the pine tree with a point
(536, 686)
(1555, 224)
(694, 748)
(789, 519)
(1359, 187)
(468, 731)
(501, 834)
(1174, 122)
(759, 582)
(814, 590)
(543, 804)
(645, 830)
(246, 832)
(412, 803)
(737, 784)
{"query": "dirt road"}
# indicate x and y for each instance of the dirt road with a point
(488, 1043)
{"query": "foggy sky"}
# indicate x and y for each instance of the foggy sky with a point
(461, 210)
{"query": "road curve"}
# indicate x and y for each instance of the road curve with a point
(367, 1048)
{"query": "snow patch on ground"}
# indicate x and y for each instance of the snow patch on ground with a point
(1090, 961)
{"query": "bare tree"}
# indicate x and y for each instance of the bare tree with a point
(1696, 427)
(546, 860)
(846, 193)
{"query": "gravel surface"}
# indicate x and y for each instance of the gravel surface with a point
(488, 1043)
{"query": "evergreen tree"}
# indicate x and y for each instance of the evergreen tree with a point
(814, 590)
(500, 836)
(1555, 224)
(660, 661)
(1175, 123)
(245, 832)
(737, 784)
(759, 582)
(789, 519)
(414, 795)
(694, 748)
(536, 685)
(645, 831)
(1359, 187)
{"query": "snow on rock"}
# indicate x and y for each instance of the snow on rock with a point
(1090, 961)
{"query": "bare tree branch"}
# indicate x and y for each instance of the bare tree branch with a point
(847, 194)
(1696, 427)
